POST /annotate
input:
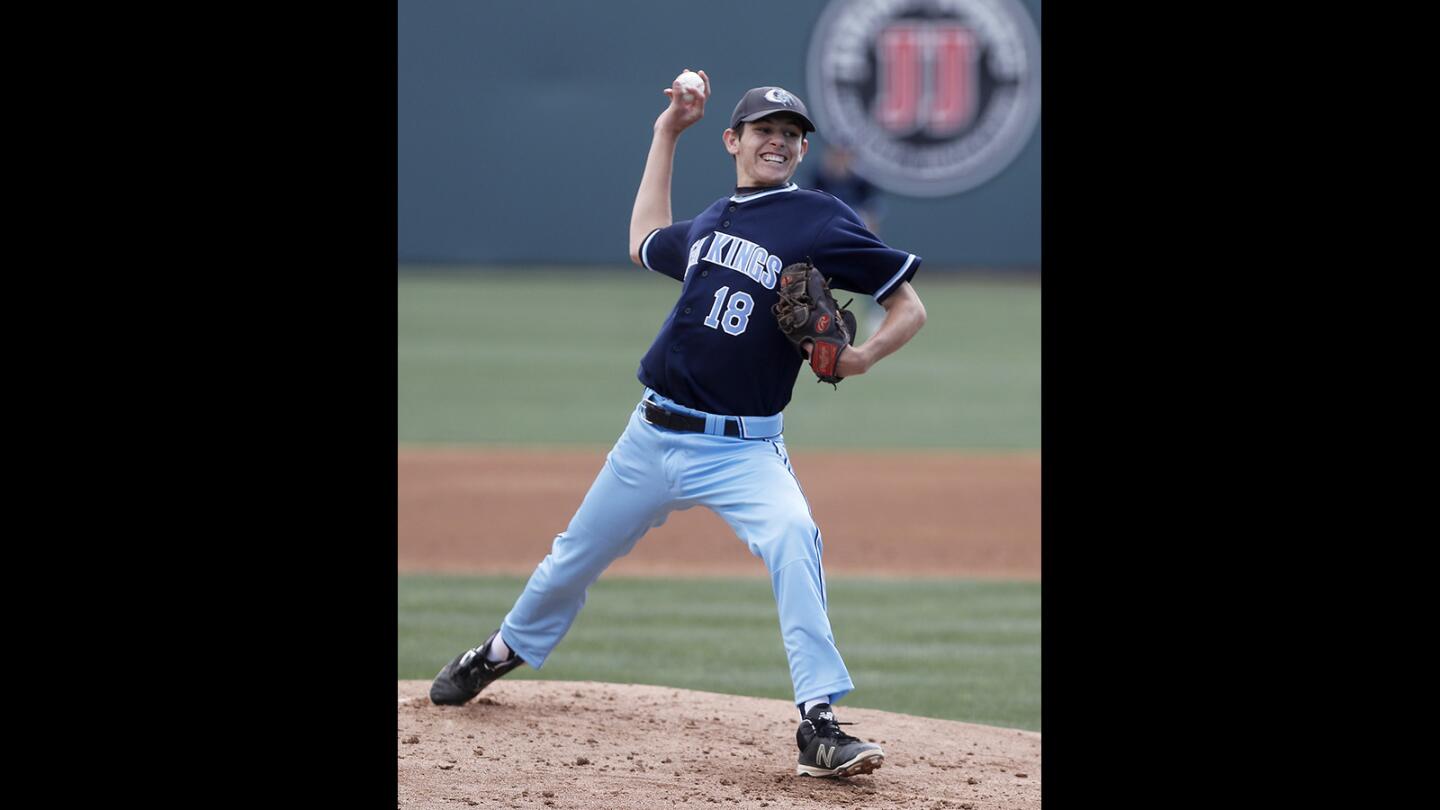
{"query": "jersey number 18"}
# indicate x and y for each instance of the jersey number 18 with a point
(736, 316)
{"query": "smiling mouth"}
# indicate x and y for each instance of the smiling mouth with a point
(774, 158)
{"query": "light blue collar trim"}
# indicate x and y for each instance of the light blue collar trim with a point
(757, 195)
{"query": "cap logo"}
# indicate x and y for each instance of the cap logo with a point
(779, 96)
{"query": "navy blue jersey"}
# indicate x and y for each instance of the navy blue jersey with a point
(720, 350)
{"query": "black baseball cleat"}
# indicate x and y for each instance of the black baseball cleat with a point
(462, 679)
(825, 750)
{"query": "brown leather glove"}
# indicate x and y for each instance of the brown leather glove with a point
(807, 311)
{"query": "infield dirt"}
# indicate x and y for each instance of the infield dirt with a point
(541, 744)
(902, 514)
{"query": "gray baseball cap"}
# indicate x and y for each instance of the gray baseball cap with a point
(759, 102)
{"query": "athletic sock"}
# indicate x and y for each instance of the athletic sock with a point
(810, 704)
(498, 651)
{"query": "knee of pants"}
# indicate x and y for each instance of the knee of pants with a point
(788, 540)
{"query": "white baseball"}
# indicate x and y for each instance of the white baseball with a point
(690, 82)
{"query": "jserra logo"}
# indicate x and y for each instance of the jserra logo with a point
(779, 96)
(934, 96)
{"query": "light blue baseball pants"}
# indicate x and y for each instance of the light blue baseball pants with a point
(653, 471)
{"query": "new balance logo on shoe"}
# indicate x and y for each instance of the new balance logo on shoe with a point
(825, 750)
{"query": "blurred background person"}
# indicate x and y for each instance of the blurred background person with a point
(835, 176)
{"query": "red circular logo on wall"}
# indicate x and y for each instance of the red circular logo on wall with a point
(934, 97)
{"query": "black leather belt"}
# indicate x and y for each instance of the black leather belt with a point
(656, 415)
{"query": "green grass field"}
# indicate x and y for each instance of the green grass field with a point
(957, 650)
(549, 357)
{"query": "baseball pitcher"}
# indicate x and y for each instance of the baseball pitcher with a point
(755, 269)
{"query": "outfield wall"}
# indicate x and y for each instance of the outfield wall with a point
(524, 124)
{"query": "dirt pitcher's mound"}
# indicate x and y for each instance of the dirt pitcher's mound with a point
(597, 745)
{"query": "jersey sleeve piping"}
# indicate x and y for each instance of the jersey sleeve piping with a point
(907, 271)
(645, 249)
